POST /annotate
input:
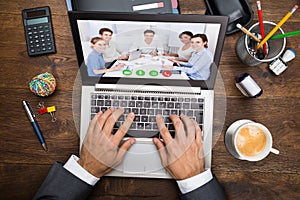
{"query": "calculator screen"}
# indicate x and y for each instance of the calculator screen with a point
(37, 21)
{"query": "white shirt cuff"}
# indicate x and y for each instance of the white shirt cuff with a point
(78, 171)
(190, 184)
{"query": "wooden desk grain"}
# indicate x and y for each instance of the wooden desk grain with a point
(24, 165)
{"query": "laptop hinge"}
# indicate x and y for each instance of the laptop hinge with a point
(148, 89)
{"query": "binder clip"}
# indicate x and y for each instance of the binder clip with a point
(279, 65)
(51, 110)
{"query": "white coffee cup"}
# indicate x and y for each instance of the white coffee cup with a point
(255, 147)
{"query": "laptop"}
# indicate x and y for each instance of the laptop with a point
(133, 55)
(145, 88)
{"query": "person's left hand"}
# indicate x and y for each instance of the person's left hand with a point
(154, 54)
(120, 66)
(101, 150)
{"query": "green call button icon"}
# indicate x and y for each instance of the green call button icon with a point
(127, 72)
(153, 73)
(140, 72)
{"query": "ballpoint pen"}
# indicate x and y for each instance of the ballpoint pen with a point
(34, 124)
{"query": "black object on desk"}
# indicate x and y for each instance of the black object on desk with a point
(138, 6)
(38, 31)
(238, 11)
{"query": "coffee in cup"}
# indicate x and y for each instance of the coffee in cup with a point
(248, 140)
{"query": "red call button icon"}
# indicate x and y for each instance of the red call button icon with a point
(167, 73)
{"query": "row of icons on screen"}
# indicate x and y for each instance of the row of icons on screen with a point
(153, 73)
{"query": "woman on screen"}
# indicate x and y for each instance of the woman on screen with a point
(185, 51)
(198, 66)
(95, 60)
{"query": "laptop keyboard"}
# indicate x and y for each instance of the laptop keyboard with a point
(146, 108)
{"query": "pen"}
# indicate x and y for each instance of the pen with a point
(282, 21)
(34, 124)
(247, 32)
(261, 25)
(289, 34)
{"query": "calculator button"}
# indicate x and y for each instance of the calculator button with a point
(29, 33)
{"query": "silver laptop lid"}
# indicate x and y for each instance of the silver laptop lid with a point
(129, 29)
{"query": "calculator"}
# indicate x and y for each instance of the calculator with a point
(38, 31)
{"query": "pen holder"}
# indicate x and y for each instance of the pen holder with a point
(246, 46)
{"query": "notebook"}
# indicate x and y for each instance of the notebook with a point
(138, 6)
(143, 86)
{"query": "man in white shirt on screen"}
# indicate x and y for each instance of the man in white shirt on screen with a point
(148, 45)
(112, 51)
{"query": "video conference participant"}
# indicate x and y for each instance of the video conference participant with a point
(148, 45)
(185, 51)
(198, 66)
(75, 179)
(95, 60)
(112, 51)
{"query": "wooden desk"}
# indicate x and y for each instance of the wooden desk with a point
(24, 165)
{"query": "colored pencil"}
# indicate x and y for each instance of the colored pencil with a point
(261, 25)
(289, 34)
(282, 21)
(247, 32)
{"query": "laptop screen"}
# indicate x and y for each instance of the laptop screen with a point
(153, 49)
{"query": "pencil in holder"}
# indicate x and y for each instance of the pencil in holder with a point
(244, 46)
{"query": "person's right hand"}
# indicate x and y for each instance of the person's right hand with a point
(101, 150)
(182, 156)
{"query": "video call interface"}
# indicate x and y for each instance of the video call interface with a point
(155, 50)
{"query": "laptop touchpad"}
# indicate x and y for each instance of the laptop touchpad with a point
(142, 158)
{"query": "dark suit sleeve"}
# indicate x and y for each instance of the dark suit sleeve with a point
(61, 184)
(210, 191)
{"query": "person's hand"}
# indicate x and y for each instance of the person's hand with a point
(101, 150)
(182, 156)
(120, 66)
(172, 59)
(154, 54)
(116, 68)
